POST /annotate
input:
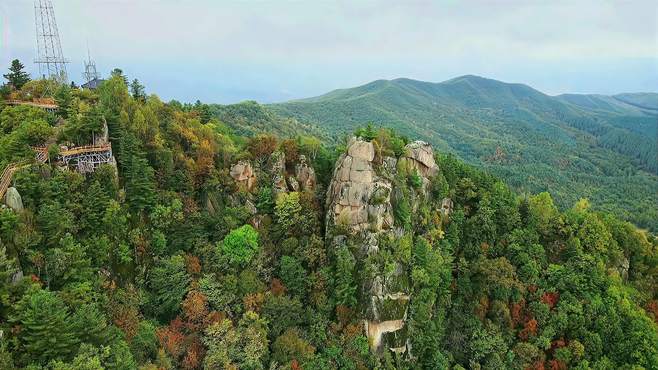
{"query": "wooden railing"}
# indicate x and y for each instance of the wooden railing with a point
(5, 179)
(42, 156)
(7, 174)
(86, 149)
(41, 150)
(32, 103)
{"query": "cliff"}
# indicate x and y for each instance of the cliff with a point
(362, 198)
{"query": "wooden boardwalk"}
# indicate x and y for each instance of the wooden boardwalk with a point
(87, 158)
(7, 174)
(47, 105)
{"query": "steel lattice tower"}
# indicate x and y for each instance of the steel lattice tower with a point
(90, 72)
(49, 49)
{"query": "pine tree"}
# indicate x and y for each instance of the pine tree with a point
(137, 90)
(63, 99)
(17, 77)
(46, 332)
(137, 173)
(169, 284)
(91, 325)
(7, 269)
(94, 203)
(345, 289)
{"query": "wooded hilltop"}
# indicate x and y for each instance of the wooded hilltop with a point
(202, 246)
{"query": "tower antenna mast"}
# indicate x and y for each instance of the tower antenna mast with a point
(49, 48)
(90, 72)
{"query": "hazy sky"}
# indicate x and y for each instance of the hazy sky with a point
(228, 51)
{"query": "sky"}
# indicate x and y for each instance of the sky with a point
(222, 51)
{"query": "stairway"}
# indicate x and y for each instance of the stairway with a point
(41, 156)
(5, 179)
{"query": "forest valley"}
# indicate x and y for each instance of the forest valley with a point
(205, 249)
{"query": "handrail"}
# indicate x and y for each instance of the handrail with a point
(35, 104)
(42, 156)
(7, 174)
(78, 149)
(86, 149)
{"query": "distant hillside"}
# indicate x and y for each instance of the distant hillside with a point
(249, 118)
(642, 100)
(594, 146)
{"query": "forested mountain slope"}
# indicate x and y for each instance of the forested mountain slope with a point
(249, 118)
(599, 147)
(204, 249)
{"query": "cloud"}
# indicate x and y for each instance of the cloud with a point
(308, 47)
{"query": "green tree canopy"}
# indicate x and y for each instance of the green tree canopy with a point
(16, 76)
(240, 245)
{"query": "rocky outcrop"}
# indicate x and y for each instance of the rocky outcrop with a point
(419, 156)
(13, 199)
(279, 172)
(446, 207)
(243, 174)
(282, 181)
(358, 199)
(293, 184)
(360, 203)
(305, 174)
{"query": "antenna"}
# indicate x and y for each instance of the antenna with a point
(90, 72)
(49, 49)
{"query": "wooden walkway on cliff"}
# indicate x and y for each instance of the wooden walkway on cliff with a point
(86, 159)
(46, 104)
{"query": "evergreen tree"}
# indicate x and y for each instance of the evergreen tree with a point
(345, 290)
(293, 275)
(169, 283)
(137, 90)
(91, 325)
(64, 99)
(137, 174)
(7, 269)
(17, 77)
(94, 202)
(46, 329)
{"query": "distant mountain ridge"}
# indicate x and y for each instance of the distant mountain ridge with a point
(595, 146)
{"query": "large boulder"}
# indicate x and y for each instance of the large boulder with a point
(13, 199)
(305, 174)
(420, 156)
(243, 174)
(352, 188)
(361, 149)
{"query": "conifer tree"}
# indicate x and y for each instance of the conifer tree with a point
(17, 77)
(137, 90)
(345, 286)
(46, 331)
(137, 173)
(64, 99)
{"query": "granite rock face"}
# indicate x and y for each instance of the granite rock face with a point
(279, 172)
(243, 173)
(420, 156)
(272, 173)
(360, 201)
(446, 207)
(302, 178)
(13, 199)
(305, 174)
